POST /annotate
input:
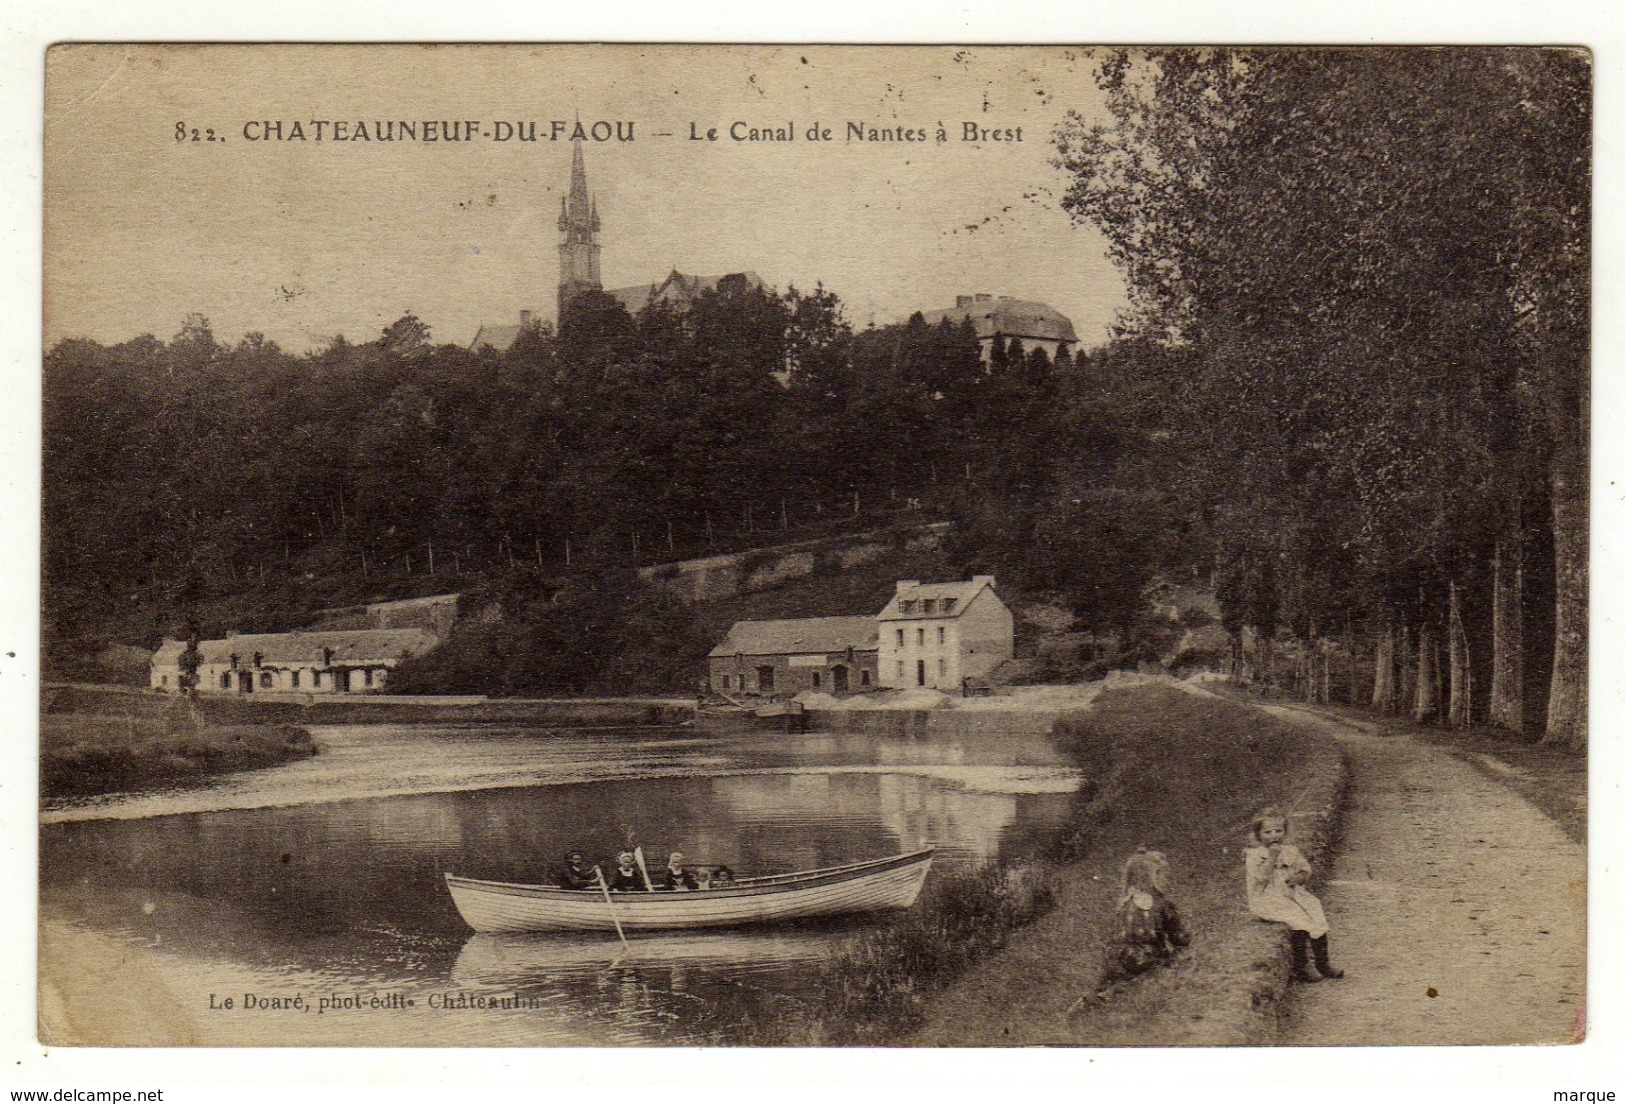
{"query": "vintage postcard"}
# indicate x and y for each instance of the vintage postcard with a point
(646, 546)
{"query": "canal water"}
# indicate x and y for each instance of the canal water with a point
(322, 879)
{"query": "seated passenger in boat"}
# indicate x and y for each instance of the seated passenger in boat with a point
(577, 874)
(676, 875)
(626, 876)
(721, 877)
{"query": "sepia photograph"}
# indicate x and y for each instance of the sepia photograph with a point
(838, 546)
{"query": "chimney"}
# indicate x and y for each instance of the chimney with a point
(980, 579)
(983, 297)
(524, 320)
(961, 301)
(904, 584)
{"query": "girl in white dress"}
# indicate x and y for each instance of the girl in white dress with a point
(1276, 873)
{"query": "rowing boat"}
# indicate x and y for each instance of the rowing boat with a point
(873, 885)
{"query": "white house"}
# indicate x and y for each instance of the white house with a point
(939, 634)
(339, 662)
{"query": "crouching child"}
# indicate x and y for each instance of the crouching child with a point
(1146, 929)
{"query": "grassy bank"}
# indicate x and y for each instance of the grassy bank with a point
(1180, 773)
(880, 988)
(89, 753)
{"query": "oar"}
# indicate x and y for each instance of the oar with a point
(609, 903)
(637, 853)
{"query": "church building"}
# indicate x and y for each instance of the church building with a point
(579, 268)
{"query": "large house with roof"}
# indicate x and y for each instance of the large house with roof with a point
(1035, 325)
(836, 655)
(351, 661)
(940, 634)
(934, 635)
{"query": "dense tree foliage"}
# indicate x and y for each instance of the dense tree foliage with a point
(1377, 265)
(191, 483)
(1350, 395)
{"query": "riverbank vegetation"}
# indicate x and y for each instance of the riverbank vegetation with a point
(881, 987)
(154, 743)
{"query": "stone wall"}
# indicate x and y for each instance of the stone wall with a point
(713, 577)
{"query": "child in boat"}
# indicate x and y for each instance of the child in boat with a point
(1276, 876)
(1147, 928)
(626, 877)
(577, 874)
(676, 876)
(721, 877)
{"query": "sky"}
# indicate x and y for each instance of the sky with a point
(305, 239)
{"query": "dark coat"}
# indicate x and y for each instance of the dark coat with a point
(578, 877)
(626, 881)
(1147, 930)
(677, 879)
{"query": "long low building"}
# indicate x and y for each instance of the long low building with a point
(338, 662)
(837, 655)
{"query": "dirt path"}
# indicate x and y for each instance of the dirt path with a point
(1457, 907)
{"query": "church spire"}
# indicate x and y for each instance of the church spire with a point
(578, 223)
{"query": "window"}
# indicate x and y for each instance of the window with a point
(266, 679)
(948, 605)
(366, 677)
(899, 672)
(942, 668)
(908, 605)
(225, 680)
(296, 680)
(899, 638)
(864, 677)
(942, 635)
(817, 680)
(919, 637)
(928, 605)
(163, 680)
(316, 680)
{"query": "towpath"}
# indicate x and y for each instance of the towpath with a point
(1457, 907)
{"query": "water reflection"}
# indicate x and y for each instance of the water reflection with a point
(301, 878)
(505, 961)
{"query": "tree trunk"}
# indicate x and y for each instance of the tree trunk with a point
(1405, 668)
(1506, 677)
(1382, 686)
(1426, 702)
(1566, 710)
(1350, 663)
(1461, 672)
